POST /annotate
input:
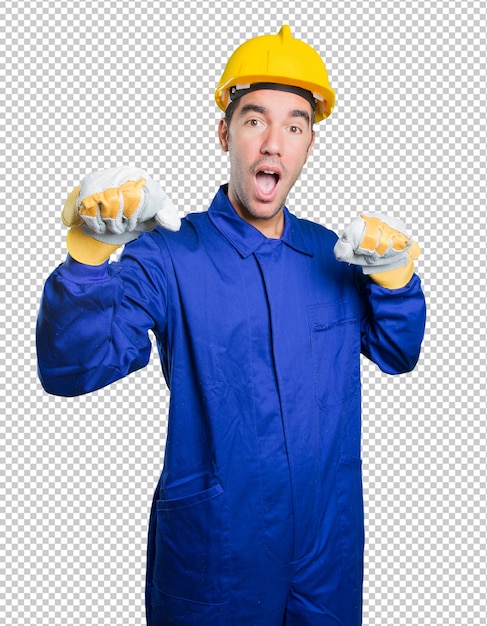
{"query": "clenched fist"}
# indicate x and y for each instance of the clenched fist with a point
(381, 246)
(112, 207)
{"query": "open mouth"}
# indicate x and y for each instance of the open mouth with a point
(267, 181)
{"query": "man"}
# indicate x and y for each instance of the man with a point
(258, 515)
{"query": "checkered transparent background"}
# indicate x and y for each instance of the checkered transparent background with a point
(97, 84)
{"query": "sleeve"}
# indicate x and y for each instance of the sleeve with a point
(93, 322)
(393, 325)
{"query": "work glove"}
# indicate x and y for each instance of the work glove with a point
(381, 246)
(112, 207)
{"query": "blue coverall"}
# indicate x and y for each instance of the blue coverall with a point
(257, 519)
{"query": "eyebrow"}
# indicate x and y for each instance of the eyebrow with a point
(252, 107)
(260, 109)
(301, 113)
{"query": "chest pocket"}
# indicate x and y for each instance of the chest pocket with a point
(335, 345)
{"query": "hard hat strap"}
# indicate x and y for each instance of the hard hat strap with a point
(238, 91)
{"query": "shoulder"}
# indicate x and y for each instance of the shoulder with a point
(192, 230)
(313, 229)
(319, 241)
(314, 237)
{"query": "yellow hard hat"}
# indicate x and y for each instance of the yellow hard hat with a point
(279, 59)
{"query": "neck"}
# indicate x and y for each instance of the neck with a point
(272, 227)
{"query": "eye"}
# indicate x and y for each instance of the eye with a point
(295, 130)
(253, 122)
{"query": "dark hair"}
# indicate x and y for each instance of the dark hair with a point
(229, 111)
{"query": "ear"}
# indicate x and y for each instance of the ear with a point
(311, 144)
(223, 134)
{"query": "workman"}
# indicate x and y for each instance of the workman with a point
(260, 319)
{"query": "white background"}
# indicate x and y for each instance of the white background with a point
(97, 84)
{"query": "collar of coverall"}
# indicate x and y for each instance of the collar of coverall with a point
(244, 237)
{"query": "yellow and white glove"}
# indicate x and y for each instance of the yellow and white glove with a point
(382, 247)
(112, 207)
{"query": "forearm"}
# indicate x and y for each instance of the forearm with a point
(393, 328)
(81, 345)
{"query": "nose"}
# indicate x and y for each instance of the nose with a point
(272, 141)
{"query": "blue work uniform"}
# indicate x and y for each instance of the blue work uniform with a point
(257, 519)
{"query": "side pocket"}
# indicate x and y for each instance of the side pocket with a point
(351, 509)
(191, 548)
